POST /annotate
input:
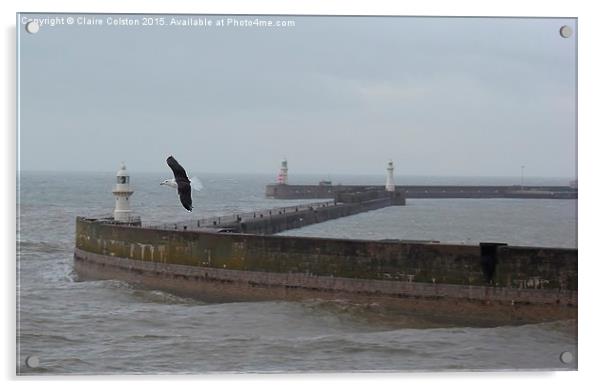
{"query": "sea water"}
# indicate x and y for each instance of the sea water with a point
(111, 327)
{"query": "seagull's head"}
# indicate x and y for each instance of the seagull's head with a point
(171, 183)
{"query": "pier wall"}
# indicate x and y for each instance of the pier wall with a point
(238, 258)
(278, 222)
(280, 191)
(520, 274)
(272, 221)
(345, 204)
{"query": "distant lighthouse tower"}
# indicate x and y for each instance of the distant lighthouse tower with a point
(122, 193)
(390, 185)
(283, 174)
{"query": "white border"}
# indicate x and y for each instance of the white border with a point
(589, 28)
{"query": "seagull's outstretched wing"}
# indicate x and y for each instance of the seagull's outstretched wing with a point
(185, 196)
(177, 169)
(184, 190)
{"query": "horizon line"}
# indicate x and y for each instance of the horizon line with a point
(305, 174)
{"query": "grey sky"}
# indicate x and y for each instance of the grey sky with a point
(439, 96)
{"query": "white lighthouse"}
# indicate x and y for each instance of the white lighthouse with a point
(283, 174)
(390, 184)
(122, 193)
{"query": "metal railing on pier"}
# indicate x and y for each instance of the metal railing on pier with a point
(227, 221)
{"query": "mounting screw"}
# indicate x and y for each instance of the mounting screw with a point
(32, 361)
(32, 27)
(566, 31)
(566, 357)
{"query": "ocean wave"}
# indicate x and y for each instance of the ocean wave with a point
(151, 337)
(86, 284)
(340, 305)
(161, 297)
(46, 338)
(371, 314)
(41, 247)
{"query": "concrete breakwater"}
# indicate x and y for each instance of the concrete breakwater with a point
(272, 221)
(285, 191)
(488, 284)
(238, 258)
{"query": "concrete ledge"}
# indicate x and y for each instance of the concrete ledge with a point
(486, 305)
(492, 264)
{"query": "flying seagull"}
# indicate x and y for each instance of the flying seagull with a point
(182, 182)
(195, 183)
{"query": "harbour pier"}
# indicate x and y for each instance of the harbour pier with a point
(238, 258)
(275, 220)
(292, 192)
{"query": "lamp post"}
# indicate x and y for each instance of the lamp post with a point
(522, 176)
